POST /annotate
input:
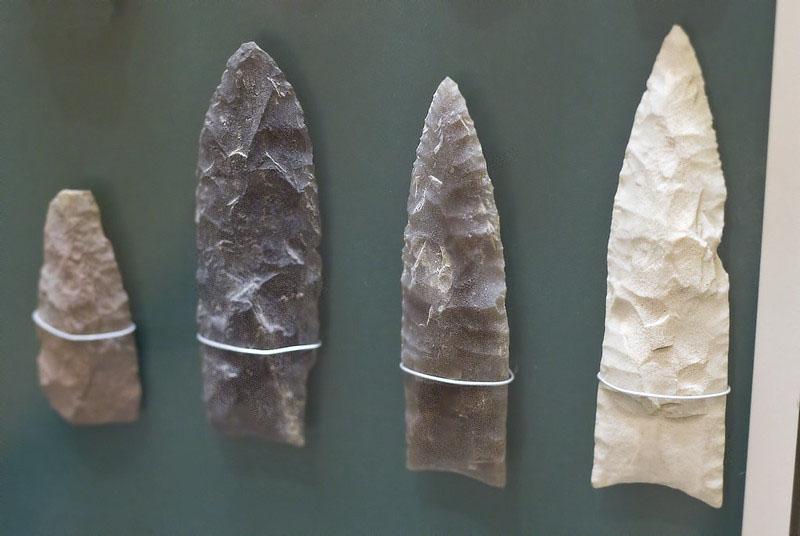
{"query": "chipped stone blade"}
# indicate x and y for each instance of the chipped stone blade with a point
(258, 233)
(667, 305)
(80, 292)
(454, 317)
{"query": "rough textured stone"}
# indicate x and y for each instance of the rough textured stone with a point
(80, 292)
(258, 230)
(454, 317)
(667, 304)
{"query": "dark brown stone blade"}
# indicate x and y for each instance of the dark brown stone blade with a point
(454, 315)
(258, 232)
(81, 293)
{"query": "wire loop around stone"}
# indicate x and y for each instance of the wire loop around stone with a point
(453, 381)
(256, 351)
(660, 396)
(81, 337)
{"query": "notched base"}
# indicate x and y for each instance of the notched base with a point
(679, 447)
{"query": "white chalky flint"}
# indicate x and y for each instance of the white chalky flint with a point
(96, 380)
(667, 304)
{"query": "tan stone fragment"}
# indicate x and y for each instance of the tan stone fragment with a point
(80, 292)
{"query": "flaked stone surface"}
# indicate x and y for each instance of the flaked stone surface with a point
(454, 317)
(258, 233)
(667, 304)
(80, 292)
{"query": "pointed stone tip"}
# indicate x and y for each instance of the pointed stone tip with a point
(249, 46)
(677, 33)
(248, 50)
(447, 97)
(676, 54)
(677, 30)
(677, 38)
(448, 86)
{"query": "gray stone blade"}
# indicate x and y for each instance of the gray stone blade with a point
(80, 293)
(454, 317)
(258, 233)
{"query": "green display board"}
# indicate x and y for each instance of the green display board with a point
(110, 96)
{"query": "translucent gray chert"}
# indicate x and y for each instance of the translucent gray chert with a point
(258, 231)
(80, 292)
(454, 316)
